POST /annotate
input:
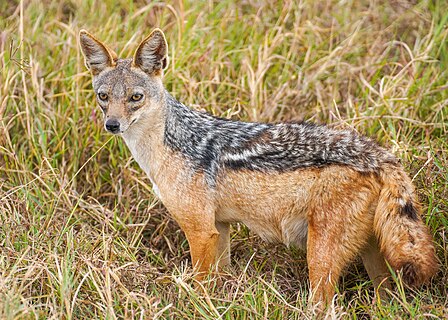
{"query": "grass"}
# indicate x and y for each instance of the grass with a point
(81, 233)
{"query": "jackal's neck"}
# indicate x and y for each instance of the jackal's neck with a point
(169, 125)
(189, 131)
(145, 139)
(182, 124)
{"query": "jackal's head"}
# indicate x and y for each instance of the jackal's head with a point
(126, 89)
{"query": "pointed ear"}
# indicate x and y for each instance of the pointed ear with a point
(97, 55)
(151, 54)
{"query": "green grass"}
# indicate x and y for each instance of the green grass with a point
(81, 234)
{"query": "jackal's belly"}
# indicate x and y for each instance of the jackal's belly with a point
(275, 206)
(289, 228)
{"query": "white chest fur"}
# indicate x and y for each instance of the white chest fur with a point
(141, 152)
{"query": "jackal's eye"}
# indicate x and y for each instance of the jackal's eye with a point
(136, 97)
(102, 96)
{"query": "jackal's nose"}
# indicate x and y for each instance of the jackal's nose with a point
(113, 126)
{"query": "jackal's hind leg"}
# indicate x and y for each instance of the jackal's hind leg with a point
(330, 248)
(324, 267)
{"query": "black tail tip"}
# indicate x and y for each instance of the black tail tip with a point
(410, 274)
(415, 275)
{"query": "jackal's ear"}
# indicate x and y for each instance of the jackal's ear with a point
(97, 55)
(150, 55)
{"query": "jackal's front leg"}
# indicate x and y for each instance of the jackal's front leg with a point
(193, 209)
(203, 238)
(203, 248)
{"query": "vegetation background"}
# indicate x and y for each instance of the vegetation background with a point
(81, 233)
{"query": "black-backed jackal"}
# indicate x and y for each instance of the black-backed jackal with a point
(335, 193)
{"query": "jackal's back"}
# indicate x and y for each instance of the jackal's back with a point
(212, 143)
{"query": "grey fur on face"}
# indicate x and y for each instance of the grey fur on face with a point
(119, 84)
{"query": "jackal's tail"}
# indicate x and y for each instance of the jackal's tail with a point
(403, 237)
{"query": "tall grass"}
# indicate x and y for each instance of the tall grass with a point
(81, 233)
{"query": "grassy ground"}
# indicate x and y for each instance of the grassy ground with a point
(81, 234)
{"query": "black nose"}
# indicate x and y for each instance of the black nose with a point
(113, 126)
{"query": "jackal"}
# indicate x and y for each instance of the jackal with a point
(333, 192)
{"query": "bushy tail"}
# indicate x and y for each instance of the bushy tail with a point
(403, 237)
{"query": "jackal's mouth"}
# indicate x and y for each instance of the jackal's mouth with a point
(114, 132)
